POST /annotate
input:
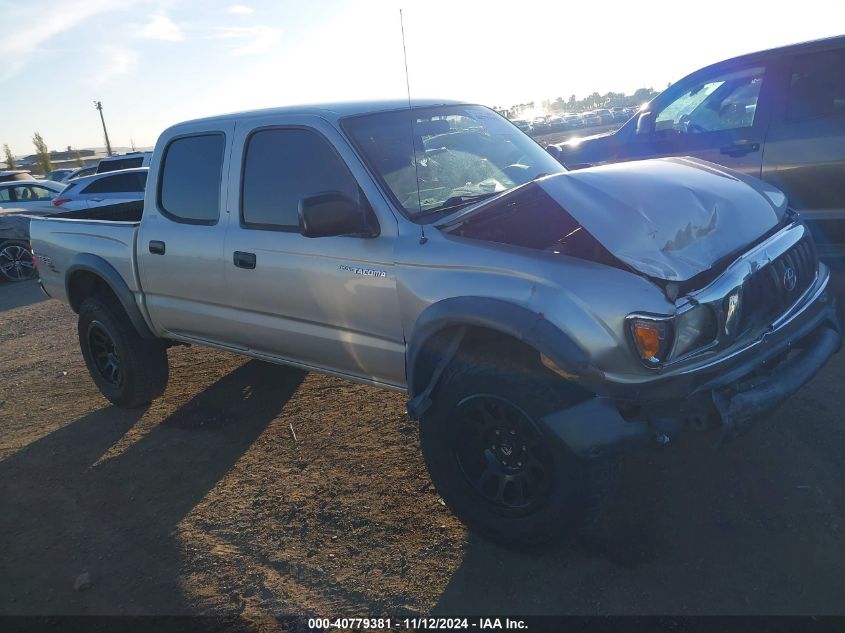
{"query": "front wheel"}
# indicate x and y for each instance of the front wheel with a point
(128, 370)
(16, 262)
(490, 459)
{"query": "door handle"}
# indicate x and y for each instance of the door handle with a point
(96, 199)
(740, 148)
(244, 260)
(157, 247)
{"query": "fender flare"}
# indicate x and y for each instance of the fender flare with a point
(101, 268)
(528, 326)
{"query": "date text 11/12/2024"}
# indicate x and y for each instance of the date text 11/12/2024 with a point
(417, 624)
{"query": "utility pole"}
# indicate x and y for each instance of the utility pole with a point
(99, 106)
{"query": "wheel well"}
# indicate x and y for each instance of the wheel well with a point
(84, 284)
(476, 341)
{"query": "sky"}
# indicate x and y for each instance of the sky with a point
(153, 63)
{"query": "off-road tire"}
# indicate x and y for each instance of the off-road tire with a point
(143, 368)
(576, 483)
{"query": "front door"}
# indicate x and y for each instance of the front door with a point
(330, 301)
(29, 196)
(720, 118)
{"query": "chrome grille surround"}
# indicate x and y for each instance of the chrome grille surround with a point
(754, 277)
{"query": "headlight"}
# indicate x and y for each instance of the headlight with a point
(658, 339)
(693, 329)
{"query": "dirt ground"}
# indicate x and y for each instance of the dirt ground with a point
(205, 502)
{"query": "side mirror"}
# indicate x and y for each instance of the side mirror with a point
(645, 124)
(556, 152)
(332, 213)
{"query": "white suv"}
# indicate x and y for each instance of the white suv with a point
(126, 185)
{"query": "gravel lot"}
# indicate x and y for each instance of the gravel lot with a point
(205, 503)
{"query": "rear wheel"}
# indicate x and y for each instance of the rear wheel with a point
(492, 462)
(129, 370)
(16, 262)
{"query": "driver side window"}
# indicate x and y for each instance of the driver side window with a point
(723, 102)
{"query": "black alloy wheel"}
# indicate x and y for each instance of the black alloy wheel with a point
(16, 262)
(501, 454)
(106, 360)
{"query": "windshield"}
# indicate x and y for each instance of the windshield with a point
(462, 153)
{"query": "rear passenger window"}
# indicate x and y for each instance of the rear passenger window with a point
(123, 163)
(817, 86)
(119, 183)
(189, 186)
(280, 168)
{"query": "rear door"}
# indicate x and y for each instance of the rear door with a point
(805, 147)
(329, 302)
(180, 243)
(719, 116)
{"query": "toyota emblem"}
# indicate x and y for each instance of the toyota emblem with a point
(789, 279)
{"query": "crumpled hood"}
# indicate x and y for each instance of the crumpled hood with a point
(669, 218)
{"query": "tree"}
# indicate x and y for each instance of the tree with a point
(11, 163)
(43, 153)
(78, 159)
(643, 95)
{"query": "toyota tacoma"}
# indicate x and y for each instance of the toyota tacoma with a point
(540, 321)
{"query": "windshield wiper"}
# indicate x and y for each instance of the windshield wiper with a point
(456, 202)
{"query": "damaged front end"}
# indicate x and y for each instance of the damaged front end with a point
(675, 220)
(752, 319)
(775, 328)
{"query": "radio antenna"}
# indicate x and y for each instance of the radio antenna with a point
(423, 238)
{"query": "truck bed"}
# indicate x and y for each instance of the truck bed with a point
(123, 212)
(74, 239)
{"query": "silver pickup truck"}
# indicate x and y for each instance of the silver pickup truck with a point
(539, 320)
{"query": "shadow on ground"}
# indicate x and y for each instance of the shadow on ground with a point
(19, 294)
(753, 528)
(120, 515)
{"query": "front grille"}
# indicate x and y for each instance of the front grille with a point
(769, 292)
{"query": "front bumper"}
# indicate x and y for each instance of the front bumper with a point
(738, 407)
(729, 392)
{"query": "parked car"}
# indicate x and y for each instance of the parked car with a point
(28, 194)
(15, 253)
(58, 175)
(539, 320)
(88, 170)
(777, 114)
(15, 174)
(523, 125)
(605, 115)
(620, 116)
(572, 121)
(590, 119)
(108, 188)
(124, 161)
(555, 122)
(541, 125)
